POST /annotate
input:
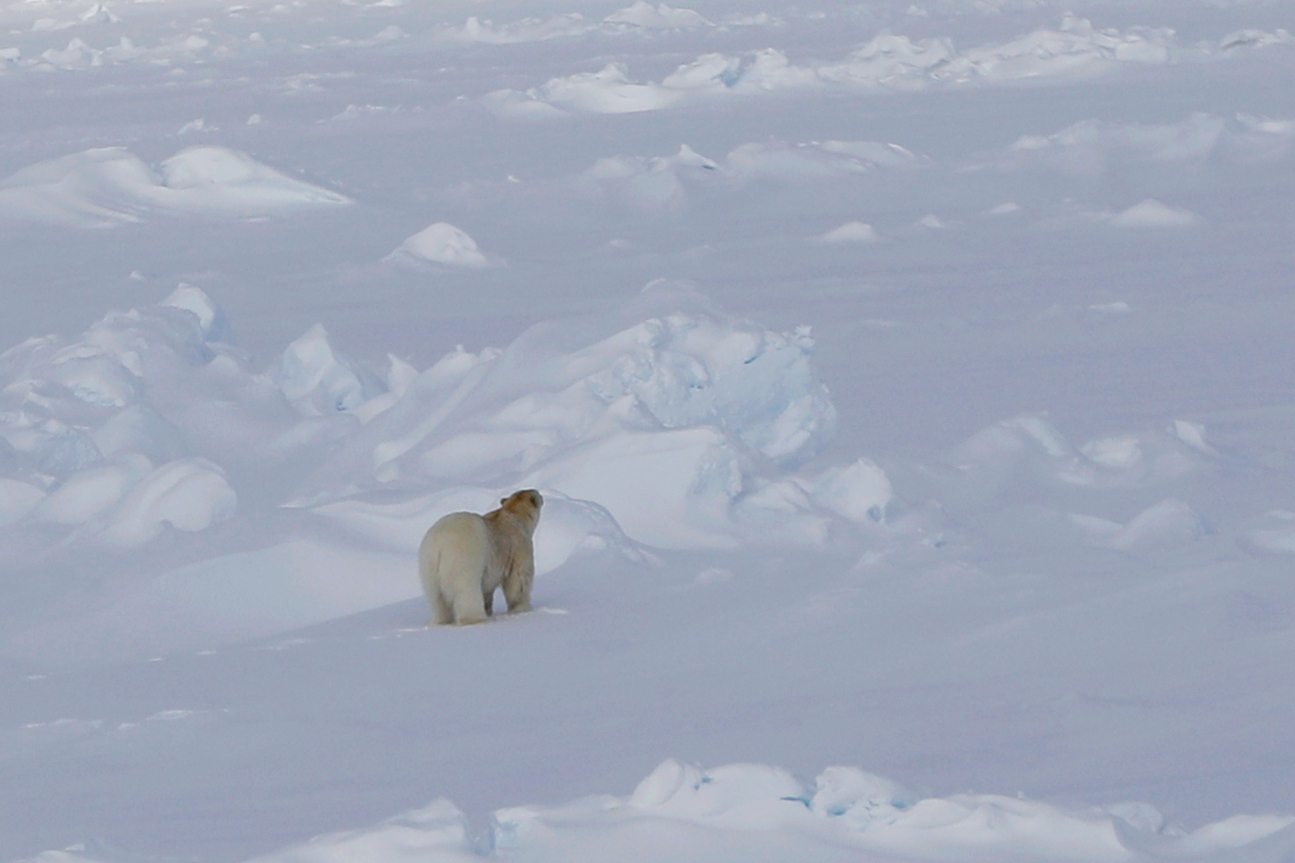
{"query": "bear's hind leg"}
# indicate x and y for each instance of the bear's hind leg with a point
(469, 608)
(442, 613)
(489, 602)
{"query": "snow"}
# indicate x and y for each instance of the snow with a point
(908, 385)
(756, 812)
(892, 62)
(441, 243)
(851, 232)
(109, 186)
(1153, 214)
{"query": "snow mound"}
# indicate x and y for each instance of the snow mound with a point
(744, 812)
(1153, 214)
(111, 186)
(1030, 445)
(188, 494)
(440, 243)
(667, 181)
(1089, 147)
(644, 15)
(1168, 523)
(474, 30)
(850, 232)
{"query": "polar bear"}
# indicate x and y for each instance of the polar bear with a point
(466, 557)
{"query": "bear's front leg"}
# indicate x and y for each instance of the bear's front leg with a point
(517, 588)
(489, 599)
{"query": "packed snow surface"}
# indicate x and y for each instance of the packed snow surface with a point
(908, 384)
(109, 185)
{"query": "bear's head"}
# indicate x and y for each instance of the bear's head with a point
(524, 504)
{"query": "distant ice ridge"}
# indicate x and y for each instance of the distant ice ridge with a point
(665, 181)
(1091, 146)
(110, 186)
(80, 444)
(524, 30)
(887, 62)
(745, 812)
(638, 16)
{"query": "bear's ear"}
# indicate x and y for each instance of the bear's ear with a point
(503, 500)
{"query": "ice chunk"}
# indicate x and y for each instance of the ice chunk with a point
(857, 798)
(859, 492)
(211, 318)
(736, 796)
(318, 381)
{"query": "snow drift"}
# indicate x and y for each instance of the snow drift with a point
(110, 186)
(746, 812)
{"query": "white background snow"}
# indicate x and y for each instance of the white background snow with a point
(910, 385)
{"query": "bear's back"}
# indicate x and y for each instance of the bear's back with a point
(456, 530)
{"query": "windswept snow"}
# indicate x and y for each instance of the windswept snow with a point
(908, 384)
(109, 186)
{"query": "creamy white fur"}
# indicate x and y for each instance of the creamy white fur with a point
(465, 558)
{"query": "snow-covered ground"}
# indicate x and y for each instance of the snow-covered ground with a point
(910, 386)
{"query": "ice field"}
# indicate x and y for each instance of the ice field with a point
(910, 385)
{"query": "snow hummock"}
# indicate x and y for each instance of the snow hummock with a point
(850, 232)
(1153, 214)
(187, 494)
(440, 243)
(110, 186)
